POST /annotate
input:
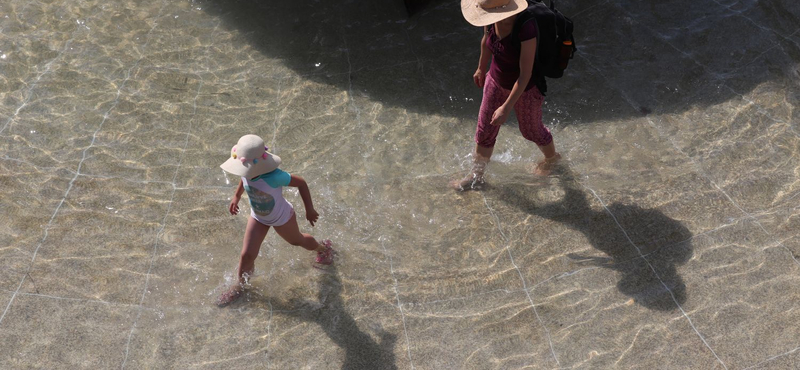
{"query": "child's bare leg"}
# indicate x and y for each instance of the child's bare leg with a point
(291, 233)
(254, 235)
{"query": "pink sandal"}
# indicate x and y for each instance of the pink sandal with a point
(325, 257)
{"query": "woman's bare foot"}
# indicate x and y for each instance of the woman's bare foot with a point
(472, 181)
(545, 167)
(229, 296)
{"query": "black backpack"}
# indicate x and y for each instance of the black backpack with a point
(555, 43)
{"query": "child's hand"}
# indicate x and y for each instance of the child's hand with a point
(312, 216)
(233, 208)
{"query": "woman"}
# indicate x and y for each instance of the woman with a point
(509, 83)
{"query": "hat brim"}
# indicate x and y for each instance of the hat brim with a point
(480, 17)
(235, 166)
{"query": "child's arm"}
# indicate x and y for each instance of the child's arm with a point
(233, 208)
(301, 185)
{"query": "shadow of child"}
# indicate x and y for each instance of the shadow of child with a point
(330, 313)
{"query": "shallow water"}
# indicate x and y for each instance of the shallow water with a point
(668, 237)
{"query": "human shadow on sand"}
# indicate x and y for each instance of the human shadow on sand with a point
(330, 313)
(618, 231)
(635, 57)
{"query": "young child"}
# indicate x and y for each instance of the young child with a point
(263, 182)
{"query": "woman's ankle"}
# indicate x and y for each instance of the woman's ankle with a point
(553, 158)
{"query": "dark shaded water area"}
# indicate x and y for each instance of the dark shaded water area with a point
(664, 56)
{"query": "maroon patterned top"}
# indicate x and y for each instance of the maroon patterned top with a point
(505, 55)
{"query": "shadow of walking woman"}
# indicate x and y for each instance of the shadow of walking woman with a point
(643, 245)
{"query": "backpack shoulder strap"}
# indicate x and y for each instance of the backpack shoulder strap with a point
(522, 17)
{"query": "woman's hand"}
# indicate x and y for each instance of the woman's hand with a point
(233, 208)
(479, 77)
(312, 216)
(500, 115)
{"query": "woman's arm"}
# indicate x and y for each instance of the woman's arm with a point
(486, 55)
(483, 63)
(301, 185)
(526, 58)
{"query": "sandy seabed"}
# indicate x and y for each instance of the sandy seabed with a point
(667, 239)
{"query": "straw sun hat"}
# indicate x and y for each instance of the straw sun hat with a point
(249, 158)
(485, 12)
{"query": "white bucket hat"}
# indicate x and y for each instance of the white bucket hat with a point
(250, 158)
(485, 12)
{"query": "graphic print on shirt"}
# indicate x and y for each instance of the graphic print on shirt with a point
(261, 202)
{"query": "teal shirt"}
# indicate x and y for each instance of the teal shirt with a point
(276, 178)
